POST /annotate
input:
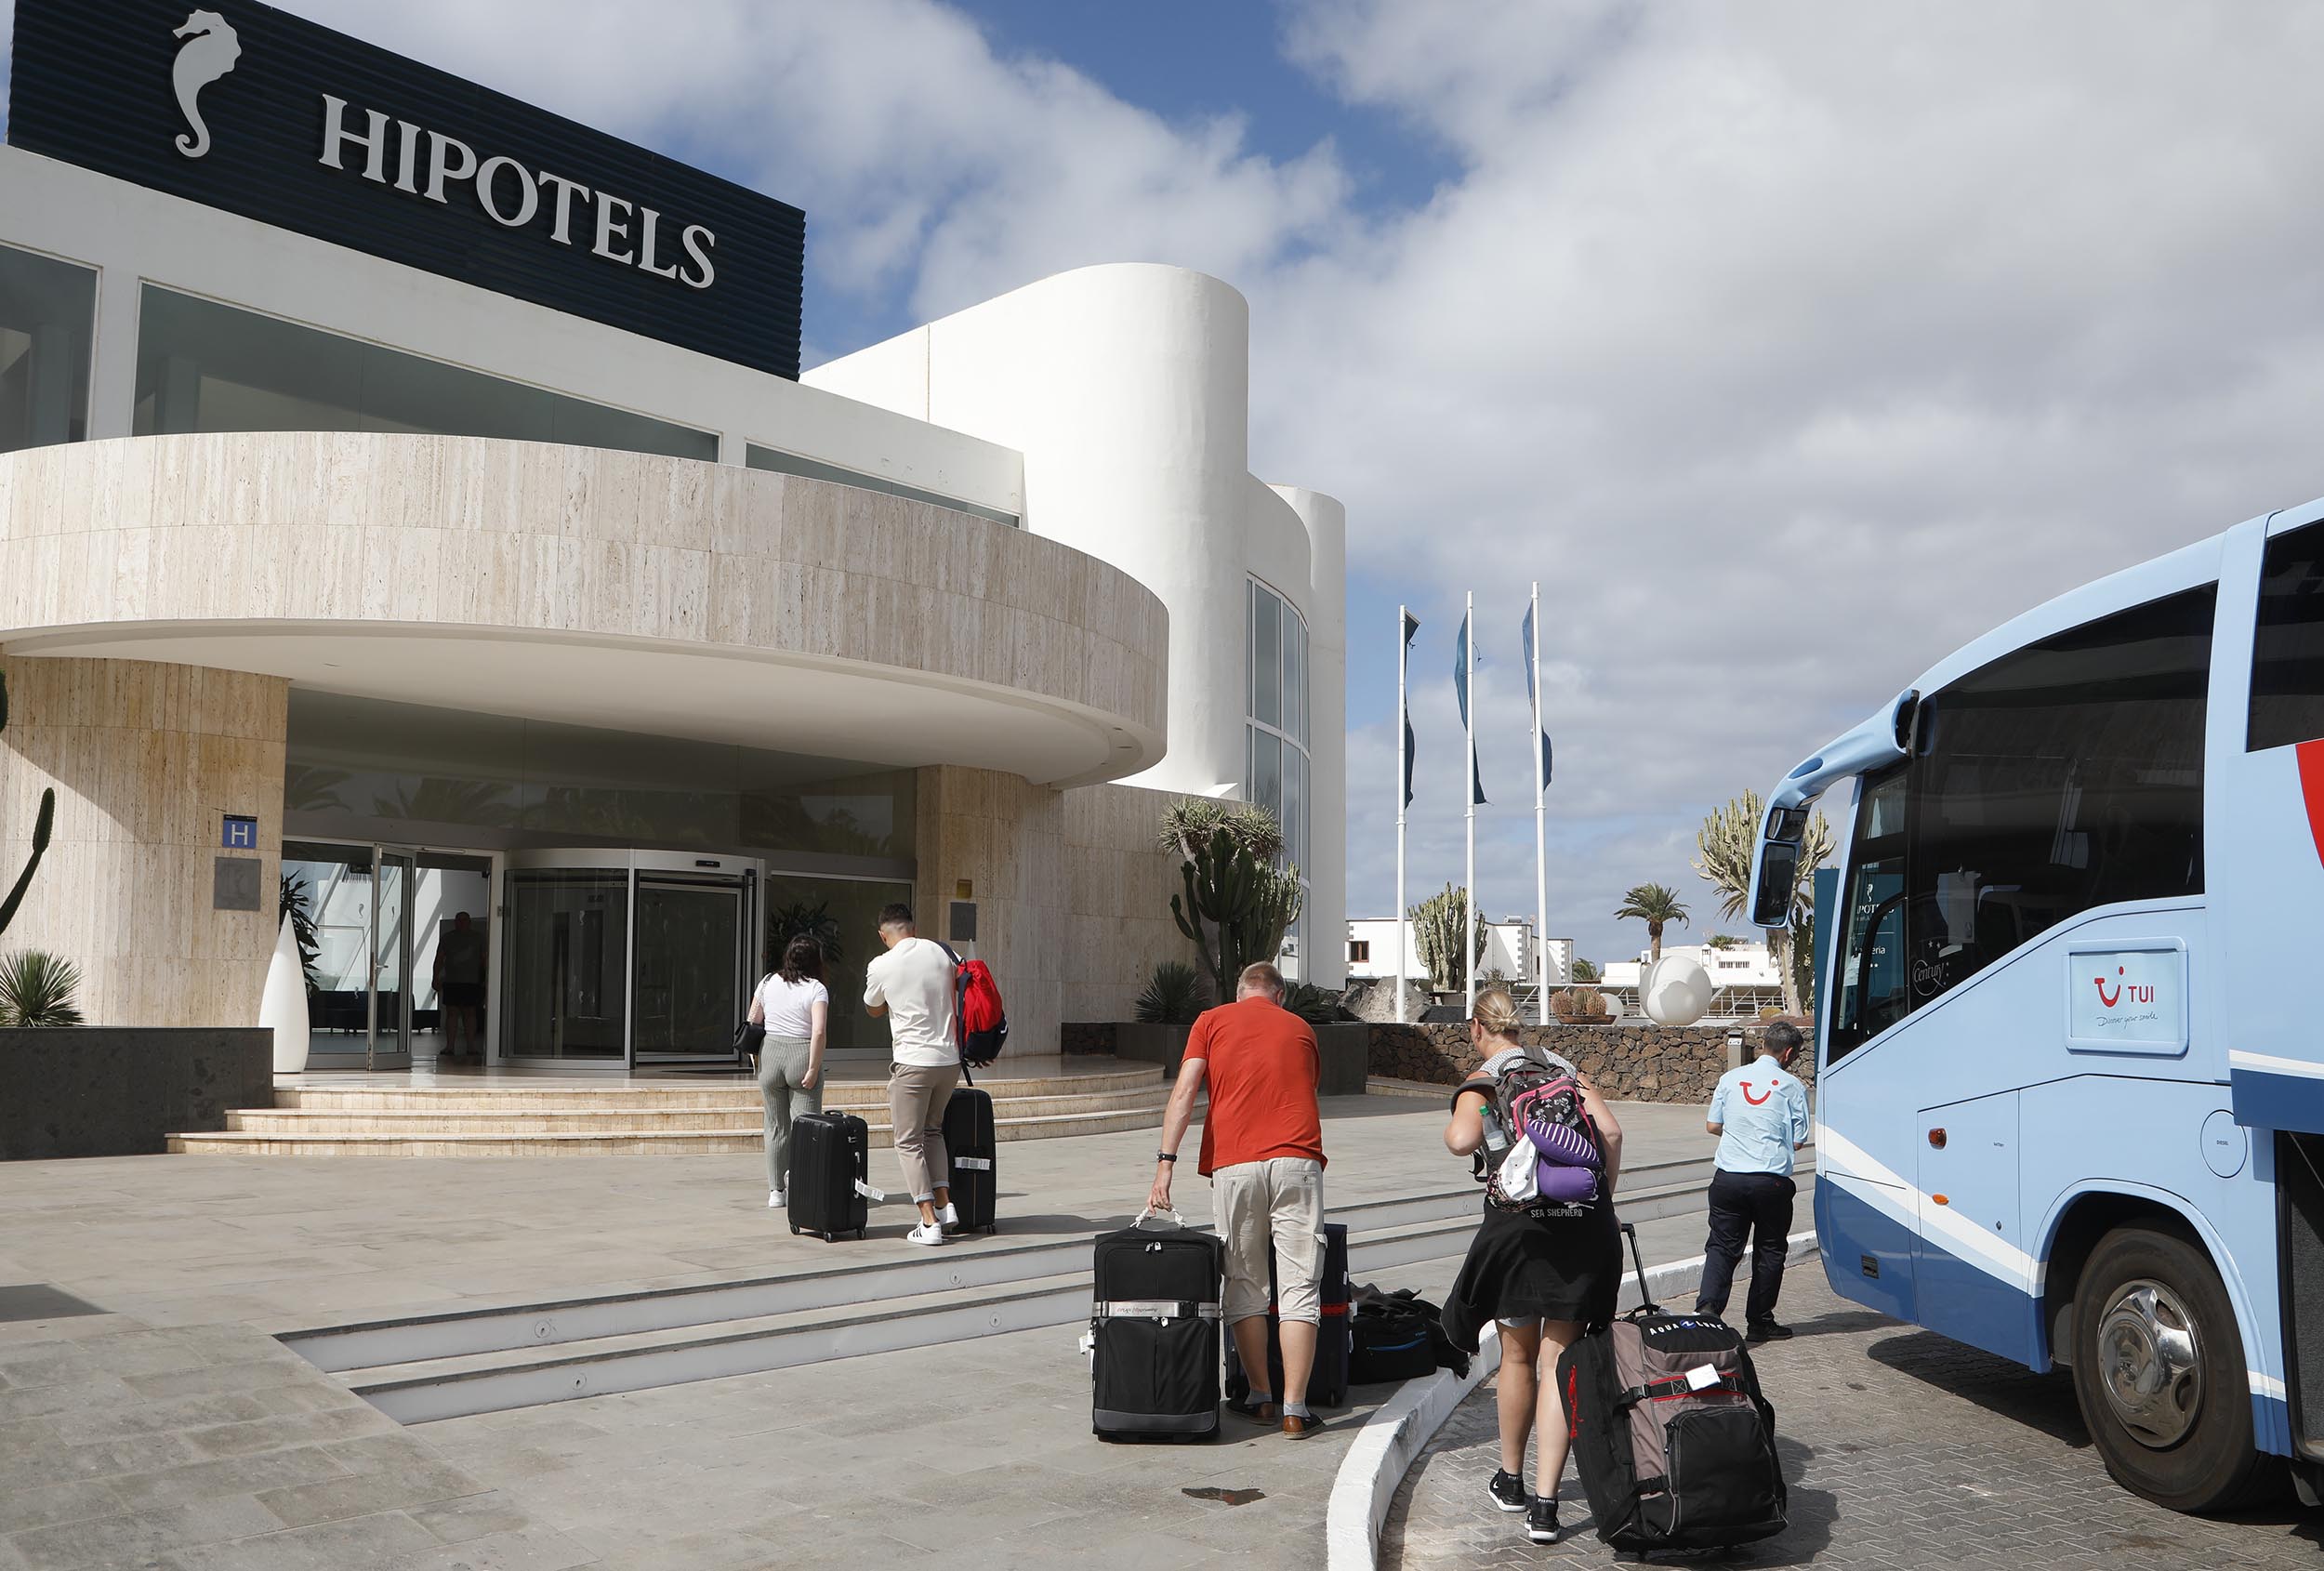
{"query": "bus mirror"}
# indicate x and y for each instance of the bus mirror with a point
(1771, 890)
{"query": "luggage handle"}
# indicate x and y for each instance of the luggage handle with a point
(1645, 1295)
(1176, 1220)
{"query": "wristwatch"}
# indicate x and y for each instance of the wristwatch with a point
(1165, 1155)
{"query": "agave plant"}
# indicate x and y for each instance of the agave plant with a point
(1312, 1004)
(37, 989)
(1172, 996)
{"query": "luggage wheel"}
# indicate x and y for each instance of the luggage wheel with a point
(794, 1230)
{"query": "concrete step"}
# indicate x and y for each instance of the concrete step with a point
(486, 1116)
(514, 1095)
(624, 1143)
(423, 1367)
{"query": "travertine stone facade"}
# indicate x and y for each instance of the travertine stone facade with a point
(1073, 897)
(1118, 898)
(145, 759)
(351, 532)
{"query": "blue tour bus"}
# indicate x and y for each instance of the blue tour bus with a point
(2070, 1099)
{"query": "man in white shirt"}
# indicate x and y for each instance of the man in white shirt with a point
(912, 985)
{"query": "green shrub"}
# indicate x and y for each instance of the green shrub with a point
(37, 988)
(1173, 996)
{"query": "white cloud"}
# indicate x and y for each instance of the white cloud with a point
(1792, 346)
(1788, 344)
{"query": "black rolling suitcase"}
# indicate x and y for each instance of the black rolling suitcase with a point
(828, 1184)
(1154, 1332)
(1327, 1385)
(973, 1152)
(1675, 1445)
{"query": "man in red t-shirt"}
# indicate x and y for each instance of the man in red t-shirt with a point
(1262, 1149)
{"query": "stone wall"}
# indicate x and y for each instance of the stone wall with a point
(103, 1092)
(1626, 1063)
(1117, 900)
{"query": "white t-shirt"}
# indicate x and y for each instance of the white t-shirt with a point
(789, 1007)
(914, 980)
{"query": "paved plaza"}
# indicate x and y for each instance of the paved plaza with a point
(1902, 1450)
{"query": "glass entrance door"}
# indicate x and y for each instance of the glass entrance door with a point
(566, 965)
(688, 979)
(390, 1035)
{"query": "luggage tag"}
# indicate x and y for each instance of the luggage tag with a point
(875, 1196)
(1702, 1377)
(973, 1163)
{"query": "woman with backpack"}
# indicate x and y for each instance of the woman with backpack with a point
(795, 1007)
(1546, 1260)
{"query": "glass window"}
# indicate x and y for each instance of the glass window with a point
(1870, 985)
(1266, 656)
(1267, 771)
(1294, 678)
(2064, 776)
(2067, 776)
(432, 773)
(2288, 644)
(779, 462)
(47, 319)
(843, 913)
(203, 366)
(1294, 806)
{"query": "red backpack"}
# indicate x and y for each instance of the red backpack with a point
(981, 1023)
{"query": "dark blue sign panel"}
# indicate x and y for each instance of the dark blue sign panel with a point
(240, 106)
(238, 833)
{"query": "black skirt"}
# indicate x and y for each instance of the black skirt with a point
(1551, 1263)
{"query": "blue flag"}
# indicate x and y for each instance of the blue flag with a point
(1411, 626)
(1535, 698)
(1460, 686)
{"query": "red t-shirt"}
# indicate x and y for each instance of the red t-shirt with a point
(1263, 1069)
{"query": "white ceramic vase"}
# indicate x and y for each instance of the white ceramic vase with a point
(283, 1004)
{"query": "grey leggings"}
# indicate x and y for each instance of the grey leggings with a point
(782, 1066)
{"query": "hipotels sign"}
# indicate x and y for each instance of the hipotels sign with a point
(243, 106)
(627, 232)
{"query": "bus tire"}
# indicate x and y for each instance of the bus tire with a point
(2160, 1373)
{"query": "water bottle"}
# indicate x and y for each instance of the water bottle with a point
(1496, 1135)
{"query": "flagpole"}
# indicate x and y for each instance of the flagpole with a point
(1403, 765)
(1541, 824)
(1469, 789)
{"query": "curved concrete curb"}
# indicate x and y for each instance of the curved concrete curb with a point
(1385, 1448)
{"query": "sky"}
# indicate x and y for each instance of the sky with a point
(1787, 346)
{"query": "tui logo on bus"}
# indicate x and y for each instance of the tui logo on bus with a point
(2136, 992)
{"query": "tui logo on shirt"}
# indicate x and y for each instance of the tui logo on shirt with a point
(1774, 1084)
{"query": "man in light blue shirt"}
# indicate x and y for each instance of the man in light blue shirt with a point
(1759, 1115)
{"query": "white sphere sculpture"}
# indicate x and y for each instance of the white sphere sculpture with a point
(1676, 991)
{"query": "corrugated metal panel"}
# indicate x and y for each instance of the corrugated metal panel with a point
(92, 84)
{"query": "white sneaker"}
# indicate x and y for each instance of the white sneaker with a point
(775, 1200)
(948, 1217)
(927, 1232)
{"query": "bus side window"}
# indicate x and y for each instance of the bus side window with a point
(1869, 980)
(2287, 643)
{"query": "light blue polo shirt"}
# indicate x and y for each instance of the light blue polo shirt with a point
(1762, 1108)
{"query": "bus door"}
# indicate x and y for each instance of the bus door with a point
(2265, 829)
(1967, 1189)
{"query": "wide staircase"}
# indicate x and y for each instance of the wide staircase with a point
(511, 1115)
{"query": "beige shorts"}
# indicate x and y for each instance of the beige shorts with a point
(1276, 1204)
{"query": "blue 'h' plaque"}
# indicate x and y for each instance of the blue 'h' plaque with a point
(239, 833)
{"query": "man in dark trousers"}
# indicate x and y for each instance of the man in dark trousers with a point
(1759, 1115)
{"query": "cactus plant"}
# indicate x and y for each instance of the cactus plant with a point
(1234, 908)
(43, 824)
(1578, 1006)
(1172, 996)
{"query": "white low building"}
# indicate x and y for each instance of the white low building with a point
(1744, 977)
(1511, 948)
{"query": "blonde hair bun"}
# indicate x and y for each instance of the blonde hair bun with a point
(1497, 1011)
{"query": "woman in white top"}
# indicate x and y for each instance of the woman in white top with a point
(795, 1007)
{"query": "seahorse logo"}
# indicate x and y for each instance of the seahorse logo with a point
(209, 52)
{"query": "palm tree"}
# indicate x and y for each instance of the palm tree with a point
(1654, 905)
(1585, 970)
(1725, 846)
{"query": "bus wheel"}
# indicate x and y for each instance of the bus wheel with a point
(2160, 1373)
